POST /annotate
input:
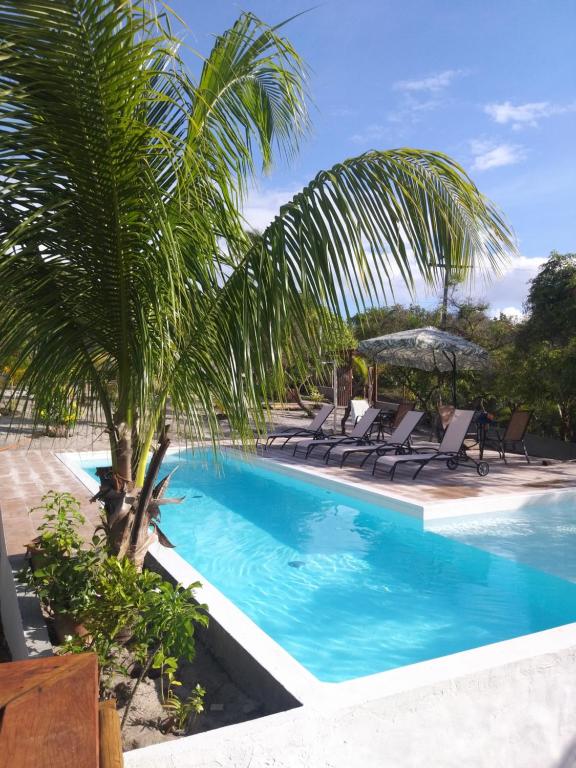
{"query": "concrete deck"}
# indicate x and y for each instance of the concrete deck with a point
(25, 476)
(27, 473)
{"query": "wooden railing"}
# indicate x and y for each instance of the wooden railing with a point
(50, 716)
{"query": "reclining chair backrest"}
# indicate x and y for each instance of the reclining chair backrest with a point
(402, 410)
(365, 424)
(517, 426)
(320, 418)
(456, 431)
(408, 424)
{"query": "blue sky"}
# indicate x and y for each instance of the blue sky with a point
(490, 82)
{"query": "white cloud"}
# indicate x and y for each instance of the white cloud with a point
(520, 115)
(488, 154)
(512, 312)
(262, 206)
(371, 133)
(506, 293)
(433, 83)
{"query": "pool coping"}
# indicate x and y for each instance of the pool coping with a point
(288, 672)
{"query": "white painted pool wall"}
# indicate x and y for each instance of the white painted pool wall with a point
(517, 715)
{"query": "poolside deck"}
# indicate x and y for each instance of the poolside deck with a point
(374, 727)
(435, 483)
(27, 473)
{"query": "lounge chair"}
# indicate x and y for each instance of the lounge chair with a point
(451, 450)
(398, 441)
(512, 437)
(360, 434)
(402, 410)
(314, 430)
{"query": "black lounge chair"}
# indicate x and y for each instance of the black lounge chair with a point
(314, 430)
(512, 438)
(451, 450)
(398, 441)
(359, 435)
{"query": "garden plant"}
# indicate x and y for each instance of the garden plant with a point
(135, 621)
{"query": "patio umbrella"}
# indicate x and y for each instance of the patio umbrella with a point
(428, 349)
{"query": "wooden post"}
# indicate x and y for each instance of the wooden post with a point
(110, 737)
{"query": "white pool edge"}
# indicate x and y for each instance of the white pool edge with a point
(291, 675)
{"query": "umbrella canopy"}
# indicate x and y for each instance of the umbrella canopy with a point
(428, 349)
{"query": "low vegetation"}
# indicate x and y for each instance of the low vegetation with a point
(135, 621)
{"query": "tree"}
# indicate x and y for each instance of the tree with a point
(125, 267)
(335, 342)
(551, 302)
(546, 344)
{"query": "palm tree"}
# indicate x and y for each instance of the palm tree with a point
(125, 267)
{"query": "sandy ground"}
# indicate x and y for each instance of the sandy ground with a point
(225, 703)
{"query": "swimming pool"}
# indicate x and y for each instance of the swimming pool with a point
(347, 587)
(540, 534)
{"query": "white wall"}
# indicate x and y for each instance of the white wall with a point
(22, 621)
(519, 715)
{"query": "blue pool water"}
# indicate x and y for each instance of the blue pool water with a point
(346, 587)
(541, 534)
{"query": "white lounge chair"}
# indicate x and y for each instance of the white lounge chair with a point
(451, 450)
(398, 440)
(314, 430)
(359, 434)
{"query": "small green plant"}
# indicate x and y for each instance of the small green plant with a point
(62, 518)
(58, 413)
(182, 710)
(129, 617)
(63, 575)
(315, 395)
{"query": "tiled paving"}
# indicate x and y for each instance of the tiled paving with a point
(25, 476)
(436, 483)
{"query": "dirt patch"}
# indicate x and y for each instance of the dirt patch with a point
(225, 703)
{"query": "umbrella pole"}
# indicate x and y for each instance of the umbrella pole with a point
(454, 399)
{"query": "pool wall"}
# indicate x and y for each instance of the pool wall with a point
(507, 704)
(516, 715)
(246, 671)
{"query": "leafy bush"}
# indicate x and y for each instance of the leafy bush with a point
(129, 617)
(63, 577)
(59, 412)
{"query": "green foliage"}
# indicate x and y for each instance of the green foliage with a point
(182, 710)
(360, 370)
(315, 395)
(123, 252)
(56, 409)
(64, 576)
(378, 321)
(551, 303)
(544, 358)
(128, 615)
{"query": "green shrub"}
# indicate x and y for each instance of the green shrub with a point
(129, 617)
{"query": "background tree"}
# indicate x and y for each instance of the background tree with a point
(123, 254)
(545, 352)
